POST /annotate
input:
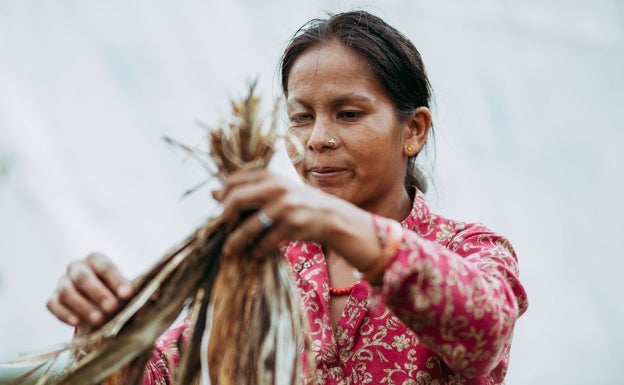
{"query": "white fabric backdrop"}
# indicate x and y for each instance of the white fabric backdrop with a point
(528, 140)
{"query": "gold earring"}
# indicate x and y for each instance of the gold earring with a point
(410, 148)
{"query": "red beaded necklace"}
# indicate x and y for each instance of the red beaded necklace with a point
(342, 291)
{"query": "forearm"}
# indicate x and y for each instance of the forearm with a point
(350, 232)
(462, 306)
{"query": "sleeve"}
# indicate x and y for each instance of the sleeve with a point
(165, 356)
(461, 300)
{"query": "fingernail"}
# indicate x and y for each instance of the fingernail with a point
(124, 290)
(95, 317)
(109, 305)
(72, 320)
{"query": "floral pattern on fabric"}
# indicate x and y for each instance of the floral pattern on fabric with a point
(443, 315)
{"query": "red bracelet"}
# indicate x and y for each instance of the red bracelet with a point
(389, 234)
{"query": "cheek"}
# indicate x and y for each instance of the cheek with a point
(368, 160)
(299, 169)
(378, 156)
(294, 148)
(375, 147)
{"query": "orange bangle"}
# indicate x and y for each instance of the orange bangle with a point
(389, 235)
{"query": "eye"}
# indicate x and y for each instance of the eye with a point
(350, 115)
(300, 118)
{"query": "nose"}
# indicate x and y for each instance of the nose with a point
(322, 135)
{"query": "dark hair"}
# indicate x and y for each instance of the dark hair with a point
(392, 57)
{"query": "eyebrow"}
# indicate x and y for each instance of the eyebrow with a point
(351, 98)
(342, 99)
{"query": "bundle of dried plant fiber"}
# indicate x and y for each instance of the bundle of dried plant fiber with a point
(257, 295)
(247, 325)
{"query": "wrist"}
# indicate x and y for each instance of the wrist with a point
(349, 231)
(389, 235)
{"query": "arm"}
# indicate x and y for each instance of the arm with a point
(462, 301)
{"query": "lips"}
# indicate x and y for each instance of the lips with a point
(326, 173)
(325, 170)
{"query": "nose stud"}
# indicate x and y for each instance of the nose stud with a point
(331, 142)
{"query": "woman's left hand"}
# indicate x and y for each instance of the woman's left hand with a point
(291, 211)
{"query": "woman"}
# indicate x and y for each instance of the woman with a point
(393, 293)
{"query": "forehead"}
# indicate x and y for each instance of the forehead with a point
(332, 68)
(327, 58)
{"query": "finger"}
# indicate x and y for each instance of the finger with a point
(62, 312)
(245, 234)
(110, 275)
(237, 179)
(295, 220)
(265, 221)
(249, 197)
(82, 279)
(77, 304)
(270, 241)
(252, 229)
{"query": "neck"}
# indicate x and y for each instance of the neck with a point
(397, 208)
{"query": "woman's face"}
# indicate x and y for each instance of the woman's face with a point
(332, 94)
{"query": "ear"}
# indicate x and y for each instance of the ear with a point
(417, 131)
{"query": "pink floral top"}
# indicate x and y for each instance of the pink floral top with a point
(443, 315)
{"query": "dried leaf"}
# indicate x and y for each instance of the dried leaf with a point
(247, 326)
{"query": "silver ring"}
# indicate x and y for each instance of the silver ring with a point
(331, 142)
(266, 222)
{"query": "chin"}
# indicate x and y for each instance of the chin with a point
(338, 193)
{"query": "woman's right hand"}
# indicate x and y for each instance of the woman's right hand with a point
(89, 292)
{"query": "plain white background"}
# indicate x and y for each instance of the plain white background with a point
(528, 139)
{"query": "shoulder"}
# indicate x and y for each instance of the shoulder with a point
(458, 236)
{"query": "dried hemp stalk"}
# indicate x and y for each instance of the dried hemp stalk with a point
(247, 326)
